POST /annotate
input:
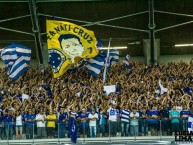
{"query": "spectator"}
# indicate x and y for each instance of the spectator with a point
(93, 116)
(30, 122)
(41, 124)
(174, 116)
(134, 122)
(19, 130)
(63, 117)
(83, 117)
(51, 124)
(144, 122)
(113, 118)
(125, 114)
(164, 114)
(8, 122)
(153, 120)
(1, 125)
(102, 122)
(72, 125)
(184, 117)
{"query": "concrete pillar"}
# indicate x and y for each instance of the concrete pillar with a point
(45, 54)
(147, 50)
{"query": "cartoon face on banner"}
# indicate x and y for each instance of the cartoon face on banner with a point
(71, 45)
(67, 44)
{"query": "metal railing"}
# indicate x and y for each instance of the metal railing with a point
(145, 130)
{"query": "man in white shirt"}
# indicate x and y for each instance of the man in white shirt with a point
(92, 123)
(41, 127)
(134, 124)
(113, 114)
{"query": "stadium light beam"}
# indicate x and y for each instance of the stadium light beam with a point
(119, 47)
(183, 45)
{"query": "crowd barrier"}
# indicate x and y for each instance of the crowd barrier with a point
(62, 135)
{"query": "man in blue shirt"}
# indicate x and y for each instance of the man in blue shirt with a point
(63, 117)
(153, 120)
(102, 122)
(83, 117)
(144, 121)
(184, 117)
(1, 125)
(164, 114)
(30, 122)
(8, 121)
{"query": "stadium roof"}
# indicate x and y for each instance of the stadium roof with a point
(18, 20)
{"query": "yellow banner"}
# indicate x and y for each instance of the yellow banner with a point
(67, 44)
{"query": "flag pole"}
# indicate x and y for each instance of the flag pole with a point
(107, 60)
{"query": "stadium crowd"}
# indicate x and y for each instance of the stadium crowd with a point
(146, 98)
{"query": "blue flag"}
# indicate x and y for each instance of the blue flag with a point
(190, 122)
(127, 66)
(113, 56)
(99, 43)
(16, 57)
(95, 65)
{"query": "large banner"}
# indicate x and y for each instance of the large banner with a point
(67, 44)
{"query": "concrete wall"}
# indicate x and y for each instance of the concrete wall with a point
(162, 59)
(175, 58)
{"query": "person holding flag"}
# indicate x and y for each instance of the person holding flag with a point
(190, 120)
(72, 125)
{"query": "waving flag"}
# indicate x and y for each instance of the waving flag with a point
(114, 56)
(67, 44)
(16, 57)
(95, 65)
(127, 66)
(190, 122)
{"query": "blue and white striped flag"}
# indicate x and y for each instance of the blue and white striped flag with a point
(127, 66)
(16, 57)
(114, 56)
(190, 122)
(95, 65)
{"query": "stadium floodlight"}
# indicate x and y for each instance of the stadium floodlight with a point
(183, 45)
(118, 47)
